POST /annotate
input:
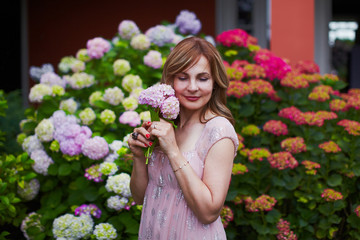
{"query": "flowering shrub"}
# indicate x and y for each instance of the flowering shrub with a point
(300, 147)
(299, 133)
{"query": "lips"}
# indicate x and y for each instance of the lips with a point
(192, 98)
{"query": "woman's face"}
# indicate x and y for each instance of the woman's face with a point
(194, 86)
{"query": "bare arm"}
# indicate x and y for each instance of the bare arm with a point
(206, 196)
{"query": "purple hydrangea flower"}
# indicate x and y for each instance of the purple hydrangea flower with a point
(93, 173)
(88, 209)
(51, 79)
(95, 148)
(96, 47)
(188, 23)
(160, 35)
(69, 147)
(128, 29)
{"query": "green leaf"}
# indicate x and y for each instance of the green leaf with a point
(90, 193)
(131, 225)
(246, 110)
(268, 106)
(273, 216)
(326, 209)
(334, 180)
(30, 176)
(64, 169)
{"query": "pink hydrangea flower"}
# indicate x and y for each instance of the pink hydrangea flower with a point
(236, 37)
(357, 211)
(310, 166)
(131, 118)
(330, 147)
(226, 215)
(352, 127)
(282, 160)
(95, 148)
(284, 231)
(331, 195)
(170, 108)
(96, 47)
(293, 145)
(238, 89)
(275, 67)
(276, 127)
(153, 59)
(262, 203)
(161, 96)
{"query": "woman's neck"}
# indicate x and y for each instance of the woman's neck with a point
(193, 117)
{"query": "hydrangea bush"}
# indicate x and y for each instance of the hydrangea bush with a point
(77, 129)
(296, 172)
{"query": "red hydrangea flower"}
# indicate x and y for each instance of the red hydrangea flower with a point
(282, 160)
(276, 127)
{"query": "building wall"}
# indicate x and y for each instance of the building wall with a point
(58, 28)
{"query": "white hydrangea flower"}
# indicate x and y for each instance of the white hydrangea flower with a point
(95, 96)
(52, 79)
(145, 116)
(136, 92)
(108, 168)
(69, 226)
(105, 231)
(113, 96)
(39, 91)
(77, 66)
(121, 67)
(32, 143)
(107, 116)
(69, 105)
(42, 161)
(32, 220)
(131, 82)
(140, 42)
(80, 80)
(115, 145)
(87, 116)
(116, 202)
(130, 103)
(119, 184)
(45, 130)
(58, 90)
(30, 190)
(111, 157)
(82, 55)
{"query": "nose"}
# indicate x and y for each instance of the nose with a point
(193, 85)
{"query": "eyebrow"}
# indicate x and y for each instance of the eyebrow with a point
(202, 73)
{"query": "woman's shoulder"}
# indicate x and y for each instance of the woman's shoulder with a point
(219, 121)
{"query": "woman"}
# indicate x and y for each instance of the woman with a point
(184, 185)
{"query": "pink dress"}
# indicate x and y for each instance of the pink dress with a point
(165, 213)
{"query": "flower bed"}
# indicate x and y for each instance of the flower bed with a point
(297, 168)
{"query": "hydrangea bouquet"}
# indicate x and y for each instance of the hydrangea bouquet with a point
(161, 101)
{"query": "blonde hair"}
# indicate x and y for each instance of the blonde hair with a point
(185, 55)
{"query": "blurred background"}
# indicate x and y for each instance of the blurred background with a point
(39, 31)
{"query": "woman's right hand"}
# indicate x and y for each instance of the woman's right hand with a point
(143, 140)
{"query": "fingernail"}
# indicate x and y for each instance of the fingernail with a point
(145, 145)
(148, 123)
(150, 143)
(147, 135)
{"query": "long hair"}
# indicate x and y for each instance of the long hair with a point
(185, 55)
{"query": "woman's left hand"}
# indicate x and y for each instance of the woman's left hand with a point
(165, 133)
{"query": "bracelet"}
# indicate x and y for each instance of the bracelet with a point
(181, 166)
